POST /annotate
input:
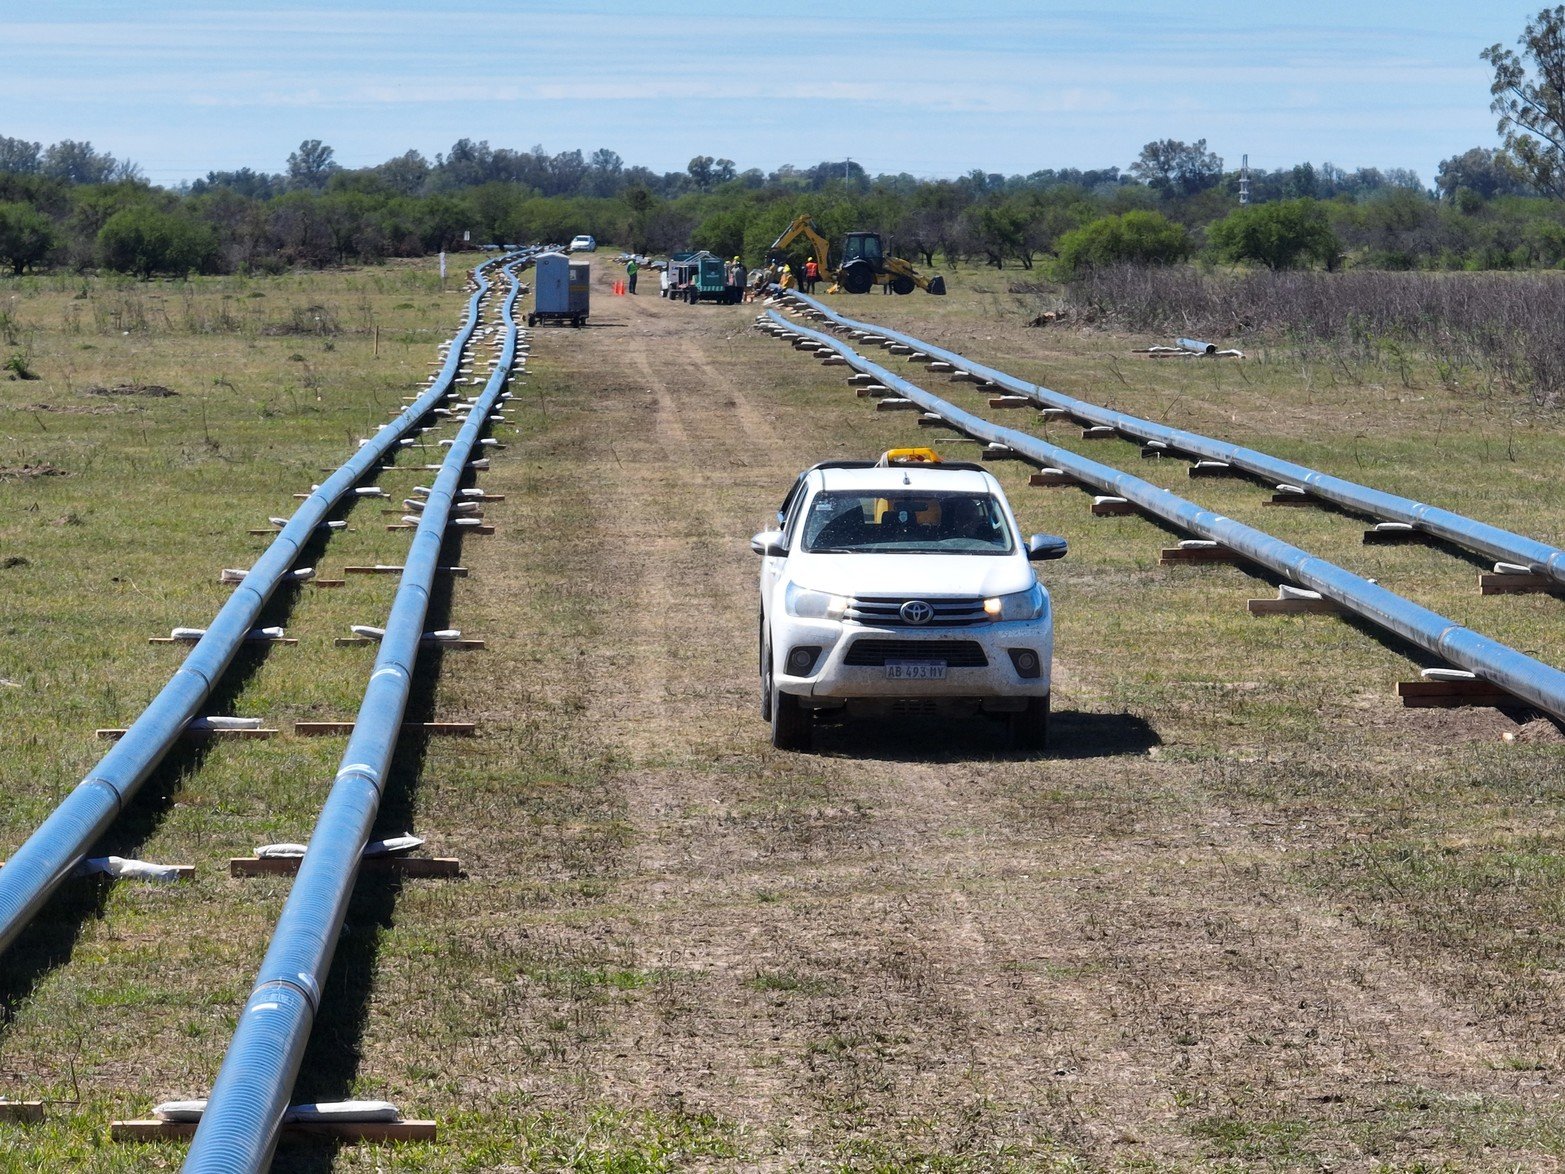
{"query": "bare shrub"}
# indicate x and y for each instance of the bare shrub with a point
(1502, 326)
(315, 319)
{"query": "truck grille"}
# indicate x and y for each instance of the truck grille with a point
(957, 654)
(885, 611)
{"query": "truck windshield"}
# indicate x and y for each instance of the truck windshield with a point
(924, 523)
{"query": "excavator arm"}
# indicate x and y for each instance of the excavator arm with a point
(805, 227)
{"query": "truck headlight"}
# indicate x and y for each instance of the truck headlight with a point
(1020, 605)
(813, 605)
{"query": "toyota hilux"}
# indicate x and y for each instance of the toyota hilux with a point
(902, 585)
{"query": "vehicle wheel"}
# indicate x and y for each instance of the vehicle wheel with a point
(1030, 726)
(902, 285)
(766, 677)
(793, 726)
(858, 278)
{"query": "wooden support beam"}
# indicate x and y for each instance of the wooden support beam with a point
(17, 1112)
(1112, 508)
(1394, 535)
(1174, 555)
(872, 390)
(464, 529)
(457, 572)
(1211, 469)
(1294, 607)
(1291, 499)
(319, 729)
(152, 1129)
(1099, 432)
(1452, 694)
(360, 641)
(113, 735)
(1008, 401)
(896, 404)
(1052, 478)
(194, 639)
(181, 872)
(1513, 584)
(416, 866)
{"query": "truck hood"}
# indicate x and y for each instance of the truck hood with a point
(911, 575)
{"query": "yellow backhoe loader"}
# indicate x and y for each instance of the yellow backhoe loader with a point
(863, 264)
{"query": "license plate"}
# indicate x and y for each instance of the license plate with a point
(915, 670)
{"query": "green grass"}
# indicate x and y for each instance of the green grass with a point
(677, 949)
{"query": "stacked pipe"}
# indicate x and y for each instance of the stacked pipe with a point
(49, 855)
(239, 1129)
(1540, 684)
(1493, 541)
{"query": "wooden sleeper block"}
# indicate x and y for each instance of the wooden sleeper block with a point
(1394, 534)
(419, 866)
(114, 735)
(458, 729)
(153, 1129)
(1054, 478)
(1455, 694)
(1515, 584)
(1196, 555)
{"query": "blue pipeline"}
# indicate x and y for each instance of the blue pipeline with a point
(38, 867)
(1493, 541)
(1540, 684)
(239, 1129)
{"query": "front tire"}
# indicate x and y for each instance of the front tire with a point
(858, 277)
(766, 676)
(1030, 726)
(793, 726)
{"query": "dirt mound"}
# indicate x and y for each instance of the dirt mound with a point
(1541, 729)
(24, 472)
(148, 389)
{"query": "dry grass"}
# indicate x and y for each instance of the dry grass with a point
(1248, 914)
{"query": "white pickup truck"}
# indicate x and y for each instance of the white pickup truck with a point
(902, 585)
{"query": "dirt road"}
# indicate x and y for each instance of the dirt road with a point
(911, 945)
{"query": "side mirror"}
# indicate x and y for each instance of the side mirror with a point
(769, 543)
(1042, 547)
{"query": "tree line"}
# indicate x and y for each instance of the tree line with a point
(70, 207)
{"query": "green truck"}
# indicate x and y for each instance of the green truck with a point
(701, 277)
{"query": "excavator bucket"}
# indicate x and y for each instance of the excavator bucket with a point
(937, 284)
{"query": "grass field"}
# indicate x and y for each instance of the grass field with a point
(1248, 913)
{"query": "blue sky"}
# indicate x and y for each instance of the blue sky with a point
(935, 89)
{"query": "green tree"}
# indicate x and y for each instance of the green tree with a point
(1281, 235)
(311, 165)
(1532, 109)
(1172, 168)
(1140, 238)
(144, 240)
(26, 236)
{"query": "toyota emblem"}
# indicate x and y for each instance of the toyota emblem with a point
(916, 612)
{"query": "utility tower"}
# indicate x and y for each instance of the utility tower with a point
(1244, 180)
